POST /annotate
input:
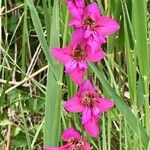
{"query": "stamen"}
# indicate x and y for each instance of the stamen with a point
(89, 22)
(79, 54)
(76, 144)
(88, 99)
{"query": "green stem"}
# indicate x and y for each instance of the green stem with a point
(24, 41)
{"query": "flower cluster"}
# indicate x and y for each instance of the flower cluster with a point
(91, 30)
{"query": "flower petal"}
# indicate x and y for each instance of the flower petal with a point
(92, 10)
(70, 133)
(96, 111)
(70, 66)
(75, 22)
(82, 65)
(88, 33)
(95, 40)
(77, 37)
(80, 3)
(77, 76)
(91, 127)
(104, 104)
(98, 37)
(86, 86)
(93, 44)
(62, 54)
(74, 105)
(95, 56)
(75, 8)
(108, 26)
(87, 115)
(86, 146)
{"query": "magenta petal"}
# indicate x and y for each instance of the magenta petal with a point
(104, 104)
(73, 105)
(75, 3)
(86, 86)
(61, 54)
(93, 10)
(91, 127)
(76, 13)
(108, 26)
(82, 65)
(99, 36)
(95, 56)
(75, 22)
(77, 36)
(77, 76)
(75, 10)
(96, 111)
(86, 146)
(80, 3)
(87, 115)
(70, 133)
(94, 45)
(65, 147)
(87, 33)
(70, 66)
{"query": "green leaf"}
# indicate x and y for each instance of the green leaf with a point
(53, 93)
(19, 140)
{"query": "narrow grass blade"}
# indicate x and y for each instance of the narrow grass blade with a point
(24, 41)
(53, 96)
(130, 55)
(141, 48)
(140, 21)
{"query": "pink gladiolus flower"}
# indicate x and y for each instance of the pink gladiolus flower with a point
(93, 25)
(91, 105)
(75, 58)
(74, 141)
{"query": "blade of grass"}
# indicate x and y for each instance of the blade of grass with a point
(24, 41)
(104, 147)
(47, 18)
(140, 20)
(141, 48)
(130, 56)
(53, 96)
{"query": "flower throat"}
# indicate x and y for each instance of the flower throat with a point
(76, 144)
(88, 99)
(89, 22)
(79, 54)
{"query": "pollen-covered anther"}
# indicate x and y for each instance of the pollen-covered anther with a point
(79, 54)
(88, 99)
(89, 22)
(76, 144)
